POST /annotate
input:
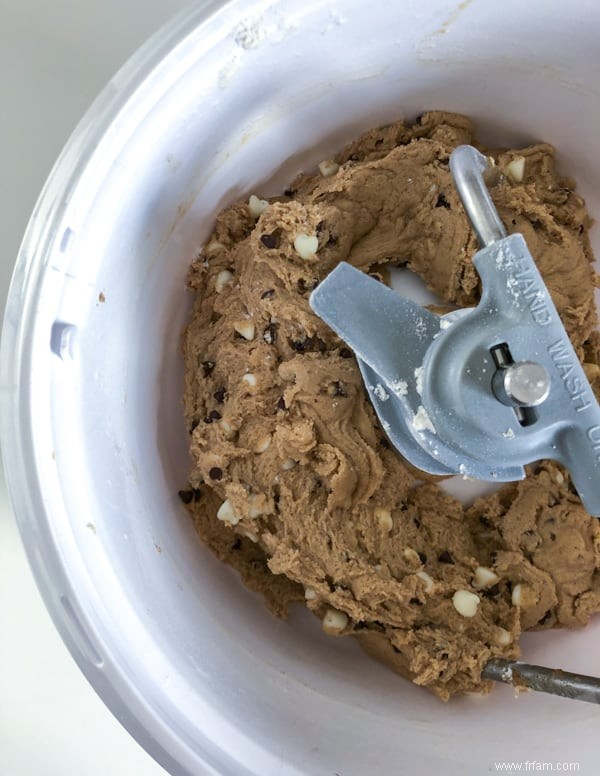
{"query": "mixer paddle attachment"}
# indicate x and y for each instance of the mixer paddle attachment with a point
(482, 391)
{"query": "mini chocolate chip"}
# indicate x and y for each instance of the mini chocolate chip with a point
(354, 157)
(186, 496)
(422, 557)
(270, 334)
(484, 521)
(268, 294)
(301, 285)
(215, 473)
(289, 192)
(212, 416)
(207, 367)
(332, 240)
(445, 557)
(281, 403)
(384, 443)
(270, 240)
(415, 602)
(491, 592)
(197, 494)
(219, 394)
(345, 353)
(299, 345)
(194, 425)
(442, 201)
(237, 545)
(552, 537)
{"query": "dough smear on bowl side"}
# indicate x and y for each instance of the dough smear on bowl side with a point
(293, 481)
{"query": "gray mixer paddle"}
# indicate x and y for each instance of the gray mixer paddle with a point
(482, 391)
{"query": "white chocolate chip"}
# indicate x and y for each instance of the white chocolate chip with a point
(429, 583)
(384, 518)
(250, 379)
(306, 246)
(503, 637)
(334, 621)
(288, 464)
(328, 167)
(515, 169)
(214, 246)
(517, 595)
(412, 556)
(382, 571)
(226, 426)
(257, 206)
(263, 444)
(466, 603)
(245, 329)
(251, 535)
(484, 577)
(310, 594)
(227, 514)
(559, 477)
(254, 508)
(223, 279)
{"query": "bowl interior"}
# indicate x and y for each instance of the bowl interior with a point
(251, 96)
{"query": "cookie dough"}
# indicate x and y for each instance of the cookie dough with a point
(293, 481)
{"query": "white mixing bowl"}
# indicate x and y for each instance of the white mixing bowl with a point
(234, 98)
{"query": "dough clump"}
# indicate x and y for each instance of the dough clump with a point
(293, 481)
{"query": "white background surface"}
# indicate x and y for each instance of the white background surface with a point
(54, 59)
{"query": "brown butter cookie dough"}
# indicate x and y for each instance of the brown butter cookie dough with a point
(298, 487)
